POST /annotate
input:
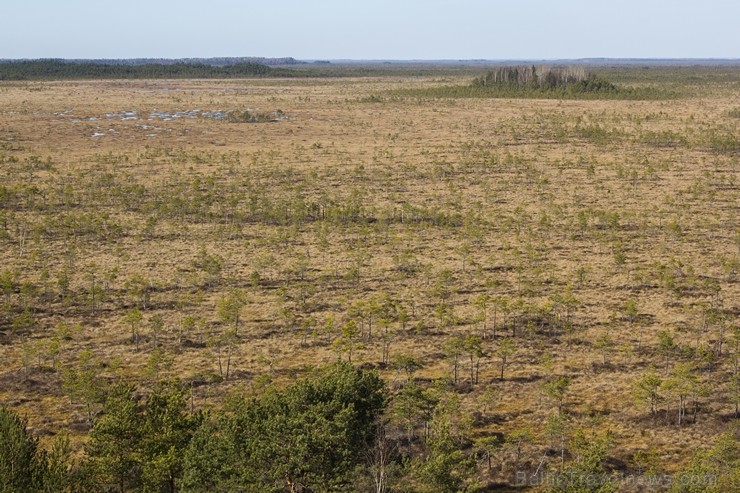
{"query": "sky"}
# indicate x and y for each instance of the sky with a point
(371, 30)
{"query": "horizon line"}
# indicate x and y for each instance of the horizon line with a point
(519, 59)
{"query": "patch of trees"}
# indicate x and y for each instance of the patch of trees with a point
(542, 82)
(337, 429)
(310, 436)
(545, 79)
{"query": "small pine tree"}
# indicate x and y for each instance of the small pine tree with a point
(21, 463)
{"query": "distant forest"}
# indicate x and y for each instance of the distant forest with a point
(209, 68)
(60, 69)
(500, 80)
(213, 61)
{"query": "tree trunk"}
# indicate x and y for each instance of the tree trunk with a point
(228, 362)
(562, 450)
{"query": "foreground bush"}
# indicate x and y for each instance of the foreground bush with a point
(309, 437)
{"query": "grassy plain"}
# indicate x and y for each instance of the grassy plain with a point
(592, 226)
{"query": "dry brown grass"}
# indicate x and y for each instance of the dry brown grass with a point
(517, 172)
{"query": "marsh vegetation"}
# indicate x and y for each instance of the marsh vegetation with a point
(513, 286)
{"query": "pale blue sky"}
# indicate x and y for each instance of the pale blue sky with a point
(381, 29)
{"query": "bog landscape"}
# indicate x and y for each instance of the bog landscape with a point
(371, 278)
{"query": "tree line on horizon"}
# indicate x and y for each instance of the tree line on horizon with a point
(60, 69)
(211, 61)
